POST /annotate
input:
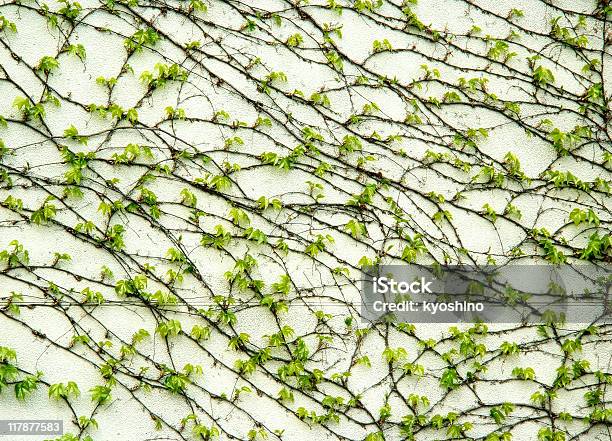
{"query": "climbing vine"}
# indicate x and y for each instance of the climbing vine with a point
(190, 191)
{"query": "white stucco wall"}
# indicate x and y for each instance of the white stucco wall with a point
(213, 86)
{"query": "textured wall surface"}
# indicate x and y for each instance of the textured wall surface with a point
(189, 191)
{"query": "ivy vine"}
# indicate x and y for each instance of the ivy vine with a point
(192, 189)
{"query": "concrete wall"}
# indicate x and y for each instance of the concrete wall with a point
(224, 72)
